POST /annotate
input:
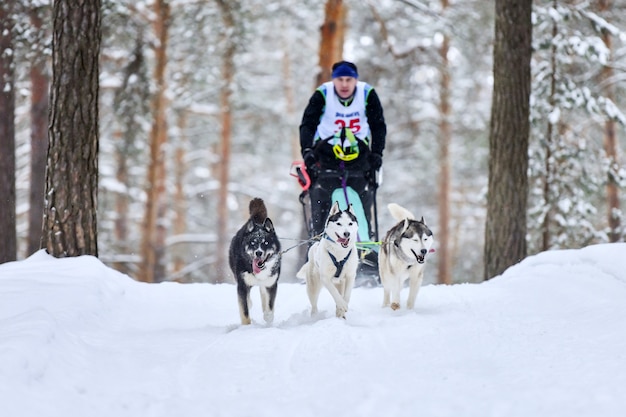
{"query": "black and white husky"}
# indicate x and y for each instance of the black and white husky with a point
(254, 258)
(333, 261)
(402, 255)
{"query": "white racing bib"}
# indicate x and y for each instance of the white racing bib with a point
(337, 116)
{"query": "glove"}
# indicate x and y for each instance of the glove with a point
(376, 161)
(309, 159)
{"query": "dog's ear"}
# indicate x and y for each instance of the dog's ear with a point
(334, 209)
(399, 236)
(351, 210)
(405, 225)
(269, 226)
(422, 221)
(250, 226)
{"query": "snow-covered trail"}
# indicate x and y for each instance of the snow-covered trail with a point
(546, 338)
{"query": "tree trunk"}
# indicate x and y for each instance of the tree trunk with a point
(38, 142)
(120, 230)
(180, 201)
(445, 137)
(295, 141)
(550, 174)
(332, 37)
(507, 196)
(8, 240)
(131, 104)
(70, 222)
(226, 90)
(152, 268)
(610, 144)
(290, 101)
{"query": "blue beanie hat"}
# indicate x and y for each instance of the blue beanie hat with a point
(344, 69)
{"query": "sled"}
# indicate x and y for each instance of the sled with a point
(367, 273)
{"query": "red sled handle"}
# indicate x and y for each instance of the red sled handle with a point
(298, 170)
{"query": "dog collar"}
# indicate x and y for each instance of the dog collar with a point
(339, 264)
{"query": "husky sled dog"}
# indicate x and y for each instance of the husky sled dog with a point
(402, 255)
(333, 261)
(254, 258)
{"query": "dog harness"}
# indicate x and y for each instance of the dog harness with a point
(339, 264)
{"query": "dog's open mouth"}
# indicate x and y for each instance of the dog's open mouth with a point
(419, 257)
(343, 241)
(258, 264)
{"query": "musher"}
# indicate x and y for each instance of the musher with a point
(342, 138)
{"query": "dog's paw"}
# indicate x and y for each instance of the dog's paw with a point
(245, 321)
(395, 306)
(341, 311)
(268, 316)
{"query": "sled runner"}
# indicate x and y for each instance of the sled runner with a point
(367, 245)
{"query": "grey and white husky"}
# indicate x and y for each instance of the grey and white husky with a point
(333, 261)
(402, 256)
(254, 257)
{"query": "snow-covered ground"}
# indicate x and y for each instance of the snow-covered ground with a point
(547, 338)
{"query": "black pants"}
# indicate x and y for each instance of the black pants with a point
(321, 191)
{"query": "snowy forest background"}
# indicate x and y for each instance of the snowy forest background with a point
(266, 55)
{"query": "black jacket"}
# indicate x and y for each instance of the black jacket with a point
(378, 131)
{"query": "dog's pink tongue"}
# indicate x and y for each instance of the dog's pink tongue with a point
(255, 266)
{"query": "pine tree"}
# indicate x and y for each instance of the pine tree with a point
(505, 235)
(8, 242)
(70, 221)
